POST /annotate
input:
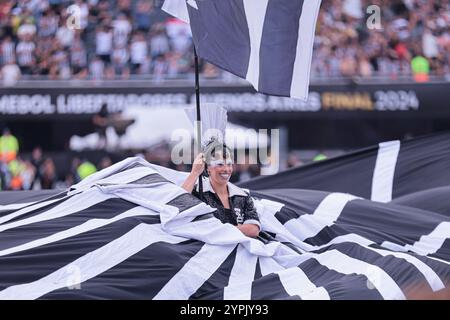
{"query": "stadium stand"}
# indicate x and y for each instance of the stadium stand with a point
(125, 38)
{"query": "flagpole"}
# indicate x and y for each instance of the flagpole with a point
(199, 128)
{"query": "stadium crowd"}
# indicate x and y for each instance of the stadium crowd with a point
(408, 37)
(116, 39)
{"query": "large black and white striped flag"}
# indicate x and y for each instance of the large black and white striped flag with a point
(267, 42)
(130, 232)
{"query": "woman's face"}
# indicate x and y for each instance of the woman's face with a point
(220, 170)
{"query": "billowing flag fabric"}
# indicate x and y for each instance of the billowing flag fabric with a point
(267, 42)
(131, 232)
(382, 173)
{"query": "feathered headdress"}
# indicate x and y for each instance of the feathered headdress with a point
(213, 123)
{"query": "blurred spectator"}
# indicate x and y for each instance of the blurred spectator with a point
(27, 175)
(365, 68)
(28, 28)
(421, 68)
(69, 181)
(48, 176)
(100, 121)
(97, 69)
(159, 43)
(138, 52)
(122, 29)
(105, 163)
(104, 43)
(15, 168)
(245, 169)
(294, 161)
(25, 54)
(78, 58)
(48, 24)
(120, 58)
(37, 161)
(85, 169)
(3, 176)
(9, 146)
(210, 71)
(10, 74)
(65, 35)
(7, 48)
(73, 176)
(430, 44)
(124, 6)
(142, 16)
(159, 67)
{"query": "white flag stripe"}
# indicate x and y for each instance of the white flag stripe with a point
(241, 277)
(171, 175)
(271, 224)
(268, 266)
(72, 205)
(20, 212)
(269, 206)
(432, 242)
(92, 264)
(15, 206)
(342, 263)
(432, 278)
(326, 214)
(255, 11)
(122, 177)
(72, 232)
(440, 260)
(126, 176)
(305, 43)
(161, 193)
(92, 197)
(393, 246)
(331, 207)
(195, 272)
(383, 174)
(295, 282)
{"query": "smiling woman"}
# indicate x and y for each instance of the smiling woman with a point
(233, 204)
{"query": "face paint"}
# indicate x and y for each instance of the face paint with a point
(220, 163)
